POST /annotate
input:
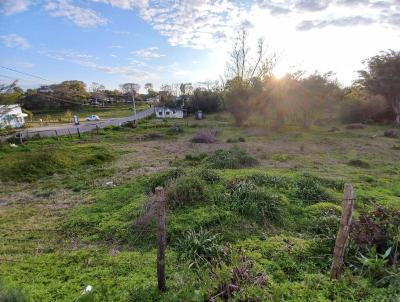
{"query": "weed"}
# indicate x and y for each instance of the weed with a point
(281, 157)
(209, 175)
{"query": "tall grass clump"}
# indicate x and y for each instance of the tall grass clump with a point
(187, 189)
(162, 178)
(258, 203)
(309, 189)
(230, 159)
(199, 248)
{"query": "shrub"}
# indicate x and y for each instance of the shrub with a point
(195, 158)
(199, 248)
(309, 189)
(209, 175)
(359, 163)
(187, 190)
(230, 159)
(11, 295)
(254, 202)
(206, 136)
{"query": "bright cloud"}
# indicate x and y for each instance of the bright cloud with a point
(148, 53)
(82, 17)
(125, 4)
(10, 7)
(14, 40)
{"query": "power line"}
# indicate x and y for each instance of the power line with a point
(25, 73)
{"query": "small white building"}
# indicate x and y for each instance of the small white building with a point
(165, 112)
(45, 89)
(11, 116)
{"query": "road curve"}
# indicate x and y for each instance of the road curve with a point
(84, 127)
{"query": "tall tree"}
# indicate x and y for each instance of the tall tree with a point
(382, 77)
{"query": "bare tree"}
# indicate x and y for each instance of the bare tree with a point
(6, 88)
(131, 89)
(245, 66)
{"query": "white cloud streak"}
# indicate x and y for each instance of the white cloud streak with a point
(14, 41)
(10, 7)
(148, 53)
(82, 17)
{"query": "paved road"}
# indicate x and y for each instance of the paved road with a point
(84, 127)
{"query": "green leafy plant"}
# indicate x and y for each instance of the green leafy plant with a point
(375, 264)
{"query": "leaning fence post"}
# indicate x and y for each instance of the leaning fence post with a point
(161, 238)
(79, 133)
(344, 231)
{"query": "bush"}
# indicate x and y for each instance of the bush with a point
(230, 159)
(236, 140)
(11, 295)
(309, 189)
(206, 100)
(199, 248)
(205, 137)
(209, 175)
(359, 163)
(254, 202)
(187, 190)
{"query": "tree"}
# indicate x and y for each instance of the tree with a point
(246, 71)
(10, 93)
(186, 88)
(98, 90)
(382, 77)
(245, 66)
(131, 89)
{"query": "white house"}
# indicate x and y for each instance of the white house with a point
(45, 89)
(11, 116)
(165, 112)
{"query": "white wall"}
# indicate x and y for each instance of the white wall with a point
(162, 112)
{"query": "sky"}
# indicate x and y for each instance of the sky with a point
(172, 41)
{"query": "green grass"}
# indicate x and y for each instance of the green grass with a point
(284, 220)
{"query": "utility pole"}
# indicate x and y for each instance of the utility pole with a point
(134, 104)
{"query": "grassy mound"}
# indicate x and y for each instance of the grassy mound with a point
(47, 161)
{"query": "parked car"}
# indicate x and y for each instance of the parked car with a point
(93, 118)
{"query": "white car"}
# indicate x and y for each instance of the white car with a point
(93, 118)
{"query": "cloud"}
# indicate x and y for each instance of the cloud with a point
(66, 54)
(148, 53)
(125, 4)
(274, 7)
(312, 5)
(13, 40)
(341, 22)
(25, 64)
(82, 17)
(10, 7)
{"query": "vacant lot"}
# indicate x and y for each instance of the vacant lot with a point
(264, 203)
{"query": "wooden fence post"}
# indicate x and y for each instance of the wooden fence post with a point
(161, 238)
(344, 231)
(79, 133)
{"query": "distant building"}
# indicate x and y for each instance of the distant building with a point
(153, 99)
(165, 112)
(45, 89)
(11, 116)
